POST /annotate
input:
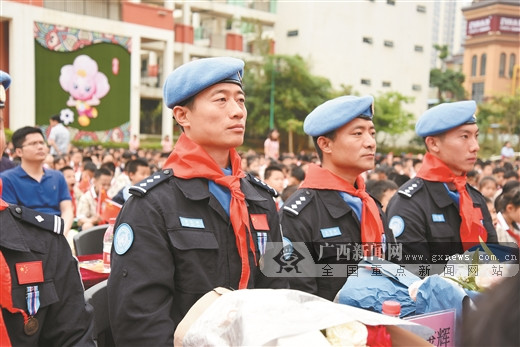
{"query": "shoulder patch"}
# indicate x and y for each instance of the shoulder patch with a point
(397, 225)
(143, 187)
(411, 187)
(258, 182)
(41, 220)
(298, 201)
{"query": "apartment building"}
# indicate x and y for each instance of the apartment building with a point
(373, 46)
(126, 47)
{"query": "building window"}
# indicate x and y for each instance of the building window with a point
(367, 40)
(512, 62)
(502, 66)
(292, 33)
(390, 2)
(418, 48)
(474, 65)
(416, 87)
(483, 59)
(477, 92)
(421, 8)
(389, 43)
(365, 81)
(386, 84)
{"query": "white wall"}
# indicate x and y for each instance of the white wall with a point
(330, 38)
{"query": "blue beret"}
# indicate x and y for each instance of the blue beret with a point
(5, 79)
(193, 77)
(444, 117)
(337, 112)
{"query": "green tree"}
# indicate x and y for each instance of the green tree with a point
(447, 81)
(499, 114)
(296, 93)
(390, 118)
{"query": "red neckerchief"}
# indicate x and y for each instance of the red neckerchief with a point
(514, 235)
(371, 224)
(6, 300)
(3, 204)
(189, 160)
(433, 169)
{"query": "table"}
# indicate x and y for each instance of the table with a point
(91, 267)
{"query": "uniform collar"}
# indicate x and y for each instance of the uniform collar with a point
(334, 203)
(438, 190)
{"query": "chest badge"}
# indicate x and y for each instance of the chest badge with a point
(330, 232)
(29, 272)
(438, 218)
(196, 223)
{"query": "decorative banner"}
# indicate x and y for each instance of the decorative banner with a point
(86, 73)
(509, 25)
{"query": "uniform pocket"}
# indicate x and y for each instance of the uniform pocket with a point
(196, 259)
(441, 231)
(48, 295)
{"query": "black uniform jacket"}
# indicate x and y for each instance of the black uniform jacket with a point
(64, 318)
(321, 218)
(426, 220)
(183, 247)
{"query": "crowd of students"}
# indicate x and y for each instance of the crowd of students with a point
(94, 170)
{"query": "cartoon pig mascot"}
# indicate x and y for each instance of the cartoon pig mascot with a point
(86, 86)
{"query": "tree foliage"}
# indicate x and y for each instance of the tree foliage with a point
(296, 93)
(390, 117)
(447, 81)
(501, 110)
(448, 84)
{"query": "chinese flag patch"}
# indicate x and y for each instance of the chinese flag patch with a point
(30, 272)
(259, 221)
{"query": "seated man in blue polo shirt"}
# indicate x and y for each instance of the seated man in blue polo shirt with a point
(30, 184)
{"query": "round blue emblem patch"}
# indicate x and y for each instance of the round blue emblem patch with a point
(123, 238)
(396, 225)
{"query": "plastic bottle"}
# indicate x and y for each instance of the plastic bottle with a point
(107, 244)
(391, 308)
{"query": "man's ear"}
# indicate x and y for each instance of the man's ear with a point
(432, 143)
(18, 152)
(325, 144)
(180, 114)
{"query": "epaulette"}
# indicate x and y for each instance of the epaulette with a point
(411, 187)
(258, 182)
(143, 187)
(298, 201)
(45, 221)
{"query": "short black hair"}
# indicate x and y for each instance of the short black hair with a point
(133, 165)
(102, 171)
(19, 135)
(270, 169)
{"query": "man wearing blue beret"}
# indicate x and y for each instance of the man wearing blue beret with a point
(437, 214)
(331, 212)
(199, 223)
(42, 297)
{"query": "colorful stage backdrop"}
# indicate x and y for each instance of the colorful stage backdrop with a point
(85, 74)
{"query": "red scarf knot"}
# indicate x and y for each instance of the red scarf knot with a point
(471, 228)
(189, 160)
(371, 223)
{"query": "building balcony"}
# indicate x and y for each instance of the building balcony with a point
(149, 15)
